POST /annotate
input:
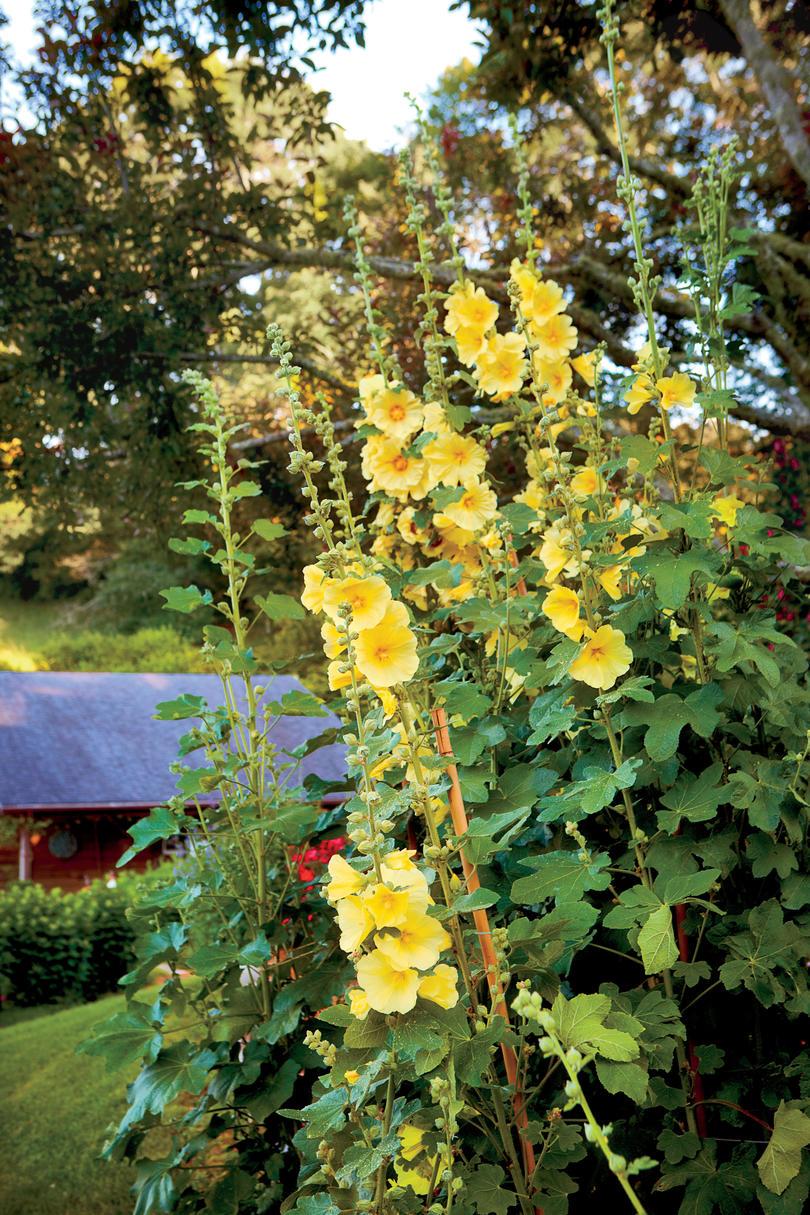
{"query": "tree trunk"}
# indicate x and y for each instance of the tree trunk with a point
(775, 82)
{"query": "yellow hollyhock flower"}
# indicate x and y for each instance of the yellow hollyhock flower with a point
(477, 505)
(469, 344)
(351, 1076)
(387, 699)
(389, 989)
(451, 535)
(315, 584)
(455, 459)
(333, 641)
(639, 393)
(469, 307)
(556, 377)
(585, 483)
(435, 419)
(386, 654)
(603, 658)
(585, 365)
(336, 677)
(533, 495)
(556, 337)
(401, 859)
(358, 1003)
(354, 921)
(409, 529)
(725, 509)
(418, 943)
(547, 301)
(676, 389)
(440, 987)
(388, 908)
(610, 581)
(368, 599)
(553, 552)
(369, 386)
(410, 881)
(396, 412)
(387, 467)
(345, 882)
(500, 366)
(561, 605)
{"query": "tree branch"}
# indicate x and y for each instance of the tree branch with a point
(671, 182)
(775, 82)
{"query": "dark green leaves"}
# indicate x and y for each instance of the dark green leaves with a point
(124, 1038)
(564, 876)
(782, 1158)
(694, 798)
(665, 719)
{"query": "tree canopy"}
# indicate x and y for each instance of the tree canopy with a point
(169, 183)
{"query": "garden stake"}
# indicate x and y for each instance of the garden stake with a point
(459, 817)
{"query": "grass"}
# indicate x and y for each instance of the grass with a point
(55, 1108)
(24, 630)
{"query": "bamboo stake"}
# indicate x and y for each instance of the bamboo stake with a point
(459, 818)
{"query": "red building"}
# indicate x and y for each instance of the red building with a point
(82, 756)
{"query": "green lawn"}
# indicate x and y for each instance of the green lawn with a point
(55, 1108)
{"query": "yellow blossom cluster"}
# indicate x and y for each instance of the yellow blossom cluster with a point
(384, 922)
(385, 650)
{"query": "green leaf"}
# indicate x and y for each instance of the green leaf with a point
(184, 598)
(628, 1078)
(689, 885)
(672, 573)
(637, 688)
(246, 489)
(198, 516)
(562, 875)
(600, 787)
(677, 1147)
(257, 952)
(208, 960)
(694, 518)
(782, 1158)
(190, 547)
(656, 942)
(476, 901)
(485, 1187)
(173, 1072)
(551, 715)
(269, 531)
(638, 447)
(154, 1187)
(695, 798)
(124, 1038)
(184, 706)
(336, 1014)
(280, 607)
(160, 824)
(667, 717)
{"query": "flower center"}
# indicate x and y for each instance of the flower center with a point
(400, 463)
(396, 413)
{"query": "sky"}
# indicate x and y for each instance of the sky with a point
(408, 45)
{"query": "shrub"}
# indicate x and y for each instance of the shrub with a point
(153, 649)
(57, 946)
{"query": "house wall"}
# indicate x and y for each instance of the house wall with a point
(101, 838)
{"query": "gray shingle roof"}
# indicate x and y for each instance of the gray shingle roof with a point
(91, 740)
